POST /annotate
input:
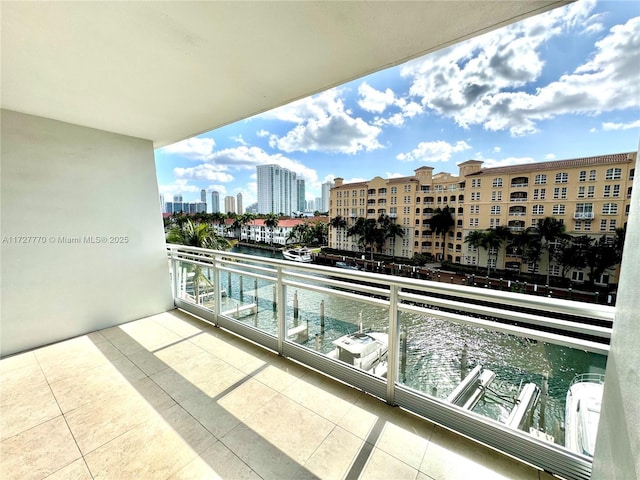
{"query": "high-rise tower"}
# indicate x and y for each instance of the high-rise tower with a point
(215, 202)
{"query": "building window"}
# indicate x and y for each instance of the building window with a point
(626, 210)
(610, 209)
(495, 209)
(578, 225)
(532, 267)
(407, 188)
(632, 173)
(539, 194)
(587, 225)
(592, 175)
(591, 191)
(556, 193)
(394, 190)
(613, 174)
(558, 209)
(496, 196)
(603, 225)
(616, 190)
(538, 210)
(581, 192)
(612, 225)
(554, 270)
(607, 191)
(475, 183)
(540, 179)
(577, 276)
(583, 176)
(497, 182)
(563, 193)
(562, 177)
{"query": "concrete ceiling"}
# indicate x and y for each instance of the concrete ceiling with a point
(166, 71)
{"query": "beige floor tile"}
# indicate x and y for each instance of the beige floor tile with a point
(267, 460)
(17, 362)
(241, 355)
(155, 449)
(99, 383)
(74, 471)
(38, 452)
(180, 352)
(289, 427)
(383, 466)
(180, 323)
(334, 456)
(450, 457)
(402, 444)
(150, 334)
(245, 399)
(148, 362)
(70, 358)
(214, 417)
(26, 400)
(279, 373)
(217, 462)
(328, 398)
(95, 423)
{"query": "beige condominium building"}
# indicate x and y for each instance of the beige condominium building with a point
(590, 195)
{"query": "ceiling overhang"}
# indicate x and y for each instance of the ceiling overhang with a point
(166, 71)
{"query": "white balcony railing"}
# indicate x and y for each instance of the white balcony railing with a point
(583, 216)
(258, 298)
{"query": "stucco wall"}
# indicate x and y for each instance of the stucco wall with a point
(82, 238)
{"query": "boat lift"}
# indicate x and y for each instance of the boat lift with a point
(471, 390)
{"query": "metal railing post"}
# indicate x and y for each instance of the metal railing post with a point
(280, 288)
(392, 353)
(217, 289)
(174, 275)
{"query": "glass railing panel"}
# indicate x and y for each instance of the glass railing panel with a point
(491, 373)
(340, 327)
(194, 284)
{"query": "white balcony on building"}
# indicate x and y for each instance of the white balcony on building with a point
(103, 378)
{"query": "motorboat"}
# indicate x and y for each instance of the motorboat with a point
(301, 255)
(347, 266)
(582, 413)
(364, 350)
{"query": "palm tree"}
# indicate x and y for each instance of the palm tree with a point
(197, 235)
(549, 230)
(338, 222)
(271, 222)
(391, 229)
(441, 222)
(474, 238)
(367, 232)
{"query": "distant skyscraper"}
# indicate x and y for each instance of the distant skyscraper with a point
(253, 208)
(229, 204)
(239, 204)
(311, 206)
(317, 204)
(177, 198)
(277, 190)
(302, 204)
(215, 202)
(326, 193)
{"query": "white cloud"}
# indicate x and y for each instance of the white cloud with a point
(262, 133)
(393, 175)
(438, 151)
(239, 139)
(620, 126)
(488, 80)
(497, 149)
(373, 100)
(181, 186)
(323, 125)
(204, 171)
(550, 156)
(221, 189)
(197, 147)
(249, 157)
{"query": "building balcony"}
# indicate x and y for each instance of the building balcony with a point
(583, 216)
(170, 396)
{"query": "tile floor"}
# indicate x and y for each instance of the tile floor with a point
(170, 397)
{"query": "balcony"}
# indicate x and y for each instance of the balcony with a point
(170, 396)
(583, 216)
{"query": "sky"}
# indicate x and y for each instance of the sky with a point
(561, 85)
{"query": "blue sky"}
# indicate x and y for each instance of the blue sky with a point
(561, 85)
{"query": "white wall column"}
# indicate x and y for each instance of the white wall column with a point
(82, 240)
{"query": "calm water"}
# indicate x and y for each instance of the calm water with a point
(434, 347)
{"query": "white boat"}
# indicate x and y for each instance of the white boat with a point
(298, 255)
(364, 350)
(582, 413)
